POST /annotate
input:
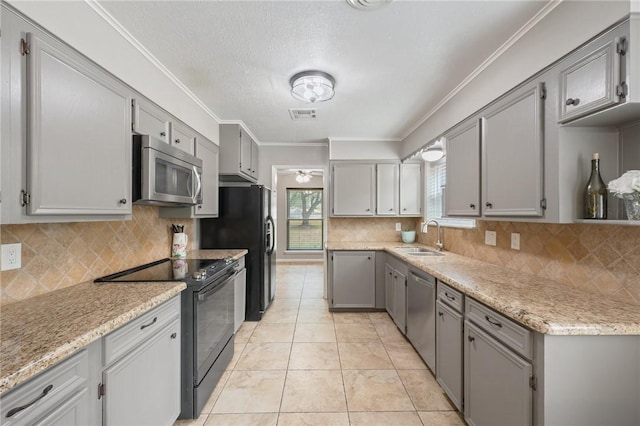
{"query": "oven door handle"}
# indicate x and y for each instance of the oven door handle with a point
(205, 294)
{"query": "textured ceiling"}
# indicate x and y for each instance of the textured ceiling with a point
(391, 65)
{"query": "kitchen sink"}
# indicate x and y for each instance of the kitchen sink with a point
(418, 251)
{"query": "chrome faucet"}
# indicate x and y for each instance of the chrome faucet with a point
(425, 230)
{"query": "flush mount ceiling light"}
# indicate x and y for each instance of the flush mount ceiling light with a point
(303, 177)
(368, 4)
(312, 86)
(434, 152)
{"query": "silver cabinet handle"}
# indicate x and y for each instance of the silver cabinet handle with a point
(16, 410)
(122, 201)
(163, 134)
(142, 327)
(177, 141)
(174, 335)
(572, 101)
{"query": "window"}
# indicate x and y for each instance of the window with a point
(304, 219)
(436, 181)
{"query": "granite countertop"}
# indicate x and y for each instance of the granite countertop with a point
(38, 332)
(543, 305)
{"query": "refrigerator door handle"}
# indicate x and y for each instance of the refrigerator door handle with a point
(271, 237)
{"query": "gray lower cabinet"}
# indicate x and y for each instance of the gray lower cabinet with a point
(353, 279)
(396, 273)
(449, 351)
(421, 306)
(58, 396)
(497, 387)
(240, 297)
(141, 375)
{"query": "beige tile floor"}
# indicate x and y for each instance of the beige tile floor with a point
(303, 365)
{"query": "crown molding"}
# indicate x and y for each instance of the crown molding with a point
(542, 13)
(107, 17)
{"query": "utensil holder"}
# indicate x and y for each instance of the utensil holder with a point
(408, 236)
(179, 246)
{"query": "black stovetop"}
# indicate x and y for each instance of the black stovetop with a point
(171, 270)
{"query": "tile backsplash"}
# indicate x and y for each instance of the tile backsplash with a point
(601, 259)
(57, 255)
(367, 229)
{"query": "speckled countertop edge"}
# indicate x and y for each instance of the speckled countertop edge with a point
(538, 303)
(31, 342)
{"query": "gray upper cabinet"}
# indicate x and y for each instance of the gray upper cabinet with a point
(463, 170)
(591, 83)
(353, 189)
(239, 154)
(353, 279)
(149, 119)
(411, 189)
(183, 138)
(79, 156)
(207, 151)
(512, 154)
(387, 184)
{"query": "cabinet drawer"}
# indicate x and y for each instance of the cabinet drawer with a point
(512, 334)
(47, 391)
(450, 296)
(127, 337)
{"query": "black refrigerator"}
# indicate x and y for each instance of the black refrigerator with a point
(245, 222)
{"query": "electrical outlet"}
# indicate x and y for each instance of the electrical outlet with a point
(11, 256)
(398, 226)
(515, 241)
(490, 238)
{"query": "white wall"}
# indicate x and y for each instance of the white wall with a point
(288, 180)
(364, 150)
(81, 25)
(290, 157)
(568, 26)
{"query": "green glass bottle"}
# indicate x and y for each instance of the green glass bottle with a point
(595, 194)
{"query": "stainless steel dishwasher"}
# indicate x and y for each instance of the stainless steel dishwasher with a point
(421, 318)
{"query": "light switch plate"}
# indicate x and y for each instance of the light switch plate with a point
(398, 226)
(11, 256)
(490, 238)
(515, 241)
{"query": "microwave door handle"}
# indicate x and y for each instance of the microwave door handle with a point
(199, 187)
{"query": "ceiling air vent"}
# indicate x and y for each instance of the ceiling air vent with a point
(302, 114)
(368, 4)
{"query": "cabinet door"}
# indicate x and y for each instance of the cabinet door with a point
(400, 300)
(246, 147)
(353, 189)
(512, 154)
(496, 382)
(421, 326)
(183, 139)
(449, 328)
(79, 139)
(354, 279)
(388, 288)
(143, 388)
(240, 298)
(148, 119)
(387, 183)
(255, 159)
(463, 170)
(410, 189)
(590, 83)
(208, 152)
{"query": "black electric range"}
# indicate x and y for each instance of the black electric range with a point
(196, 273)
(207, 319)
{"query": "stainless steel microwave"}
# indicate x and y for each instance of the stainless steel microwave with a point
(164, 175)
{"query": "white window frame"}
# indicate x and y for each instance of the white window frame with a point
(437, 170)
